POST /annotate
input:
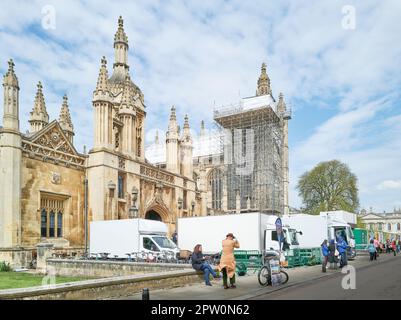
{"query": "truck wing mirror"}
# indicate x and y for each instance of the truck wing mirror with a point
(300, 232)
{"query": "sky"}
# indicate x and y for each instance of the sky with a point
(338, 64)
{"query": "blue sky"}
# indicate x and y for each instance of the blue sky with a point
(343, 85)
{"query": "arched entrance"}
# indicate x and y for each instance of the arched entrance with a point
(153, 215)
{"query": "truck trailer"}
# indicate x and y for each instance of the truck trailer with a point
(121, 237)
(316, 228)
(254, 231)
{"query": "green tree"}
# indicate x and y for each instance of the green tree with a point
(329, 186)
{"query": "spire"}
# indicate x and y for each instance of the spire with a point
(186, 134)
(157, 137)
(65, 117)
(126, 96)
(172, 114)
(39, 117)
(103, 76)
(120, 35)
(10, 79)
(281, 107)
(202, 132)
(186, 122)
(263, 83)
(11, 99)
(121, 47)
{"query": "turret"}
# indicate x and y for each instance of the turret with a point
(263, 83)
(39, 117)
(186, 151)
(102, 103)
(11, 99)
(172, 144)
(127, 117)
(284, 115)
(121, 45)
(10, 164)
(65, 120)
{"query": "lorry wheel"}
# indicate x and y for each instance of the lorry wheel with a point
(264, 276)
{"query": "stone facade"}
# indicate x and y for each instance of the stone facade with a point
(43, 177)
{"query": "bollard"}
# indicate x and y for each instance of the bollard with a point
(145, 294)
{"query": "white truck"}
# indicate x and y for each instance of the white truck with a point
(254, 231)
(120, 237)
(315, 229)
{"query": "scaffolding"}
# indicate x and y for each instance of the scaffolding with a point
(252, 144)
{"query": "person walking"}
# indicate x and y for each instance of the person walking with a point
(332, 254)
(399, 246)
(342, 249)
(394, 247)
(227, 260)
(376, 244)
(325, 254)
(372, 250)
(199, 264)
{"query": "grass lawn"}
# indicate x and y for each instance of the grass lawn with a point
(12, 280)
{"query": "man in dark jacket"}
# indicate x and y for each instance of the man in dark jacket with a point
(332, 254)
(325, 254)
(199, 264)
(342, 250)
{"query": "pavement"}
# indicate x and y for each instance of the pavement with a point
(299, 279)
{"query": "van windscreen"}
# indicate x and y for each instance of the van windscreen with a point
(163, 242)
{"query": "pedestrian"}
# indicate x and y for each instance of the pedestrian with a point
(342, 249)
(372, 250)
(332, 254)
(199, 264)
(227, 260)
(399, 246)
(376, 244)
(394, 248)
(388, 246)
(325, 254)
(175, 237)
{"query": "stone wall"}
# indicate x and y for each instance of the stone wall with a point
(37, 180)
(17, 257)
(105, 288)
(103, 269)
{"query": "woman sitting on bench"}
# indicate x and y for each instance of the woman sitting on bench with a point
(199, 264)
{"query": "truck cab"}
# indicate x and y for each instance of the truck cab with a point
(158, 243)
(337, 229)
(271, 239)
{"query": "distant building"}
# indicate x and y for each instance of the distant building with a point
(382, 222)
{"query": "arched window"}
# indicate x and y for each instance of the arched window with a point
(380, 226)
(216, 186)
(52, 218)
(389, 226)
(43, 223)
(398, 227)
(59, 224)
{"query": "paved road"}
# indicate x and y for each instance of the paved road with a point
(379, 280)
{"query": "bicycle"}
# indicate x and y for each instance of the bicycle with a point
(265, 273)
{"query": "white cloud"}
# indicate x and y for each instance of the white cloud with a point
(389, 184)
